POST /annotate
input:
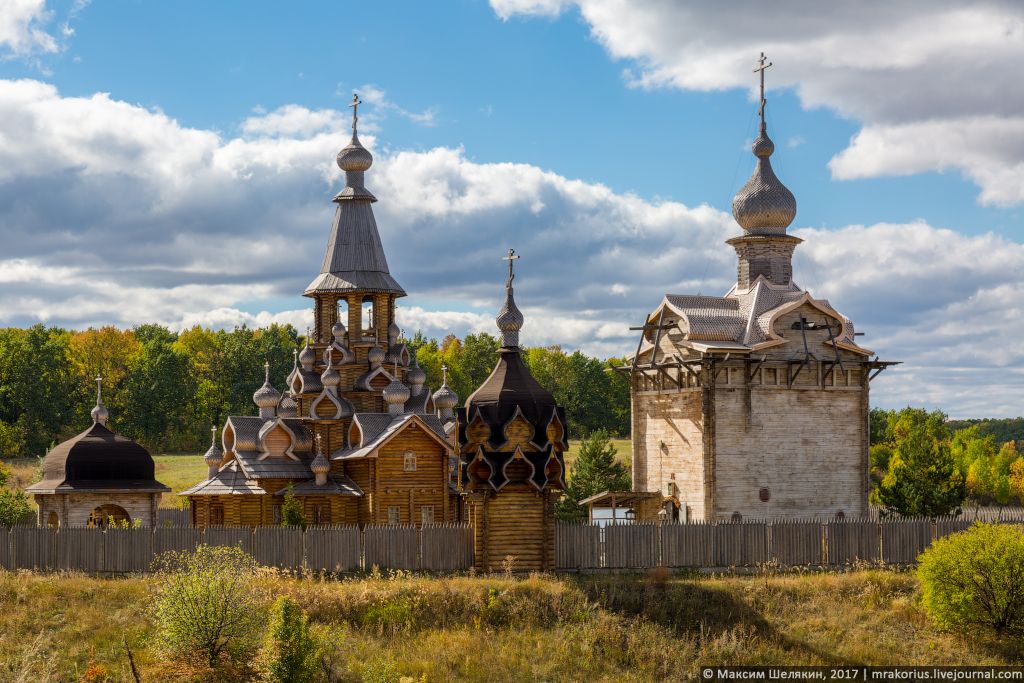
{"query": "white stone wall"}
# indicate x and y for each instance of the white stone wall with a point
(806, 446)
(668, 446)
(73, 509)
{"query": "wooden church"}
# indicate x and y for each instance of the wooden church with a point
(754, 404)
(355, 435)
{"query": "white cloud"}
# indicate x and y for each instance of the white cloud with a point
(936, 84)
(113, 213)
(294, 120)
(371, 94)
(21, 28)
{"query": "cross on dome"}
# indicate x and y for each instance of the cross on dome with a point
(762, 66)
(355, 111)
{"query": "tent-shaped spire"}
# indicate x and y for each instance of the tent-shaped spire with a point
(355, 259)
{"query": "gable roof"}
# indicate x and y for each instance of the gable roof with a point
(378, 432)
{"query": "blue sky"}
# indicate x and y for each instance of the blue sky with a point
(181, 152)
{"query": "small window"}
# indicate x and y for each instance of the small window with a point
(321, 514)
(394, 515)
(409, 464)
(427, 515)
(277, 513)
(217, 515)
(737, 517)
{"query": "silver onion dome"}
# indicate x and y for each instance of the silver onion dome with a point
(330, 377)
(214, 455)
(266, 397)
(764, 205)
(375, 356)
(393, 332)
(395, 395)
(287, 407)
(415, 376)
(99, 413)
(320, 464)
(354, 157)
(445, 398)
(338, 331)
(307, 356)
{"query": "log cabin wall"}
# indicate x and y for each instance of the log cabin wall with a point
(513, 528)
(411, 491)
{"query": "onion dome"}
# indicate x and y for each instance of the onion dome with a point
(287, 407)
(444, 398)
(394, 331)
(266, 397)
(376, 356)
(330, 377)
(338, 331)
(510, 319)
(99, 413)
(320, 466)
(415, 376)
(354, 158)
(764, 206)
(307, 356)
(214, 456)
(395, 395)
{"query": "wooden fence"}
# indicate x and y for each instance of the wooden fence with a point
(587, 547)
(444, 547)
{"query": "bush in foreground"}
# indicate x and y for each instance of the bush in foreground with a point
(207, 602)
(976, 578)
(289, 650)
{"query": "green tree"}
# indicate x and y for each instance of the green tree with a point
(975, 578)
(291, 510)
(595, 470)
(206, 602)
(289, 649)
(923, 477)
(158, 391)
(14, 504)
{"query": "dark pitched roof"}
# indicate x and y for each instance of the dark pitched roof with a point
(355, 259)
(98, 460)
(230, 480)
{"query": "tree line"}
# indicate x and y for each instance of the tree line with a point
(921, 464)
(164, 388)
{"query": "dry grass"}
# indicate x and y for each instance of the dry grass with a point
(499, 628)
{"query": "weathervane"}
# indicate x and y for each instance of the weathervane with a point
(762, 65)
(355, 110)
(512, 256)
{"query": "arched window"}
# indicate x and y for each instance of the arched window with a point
(52, 520)
(109, 515)
(341, 311)
(369, 317)
(409, 464)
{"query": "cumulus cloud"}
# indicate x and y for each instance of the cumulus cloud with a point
(114, 213)
(936, 84)
(21, 28)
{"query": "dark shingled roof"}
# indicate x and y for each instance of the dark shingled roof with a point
(98, 460)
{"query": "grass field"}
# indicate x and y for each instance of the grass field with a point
(610, 628)
(623, 451)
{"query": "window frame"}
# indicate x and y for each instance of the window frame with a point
(407, 458)
(394, 515)
(424, 509)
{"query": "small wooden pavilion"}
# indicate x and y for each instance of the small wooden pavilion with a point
(98, 478)
(512, 438)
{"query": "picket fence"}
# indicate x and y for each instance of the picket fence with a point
(335, 549)
(589, 547)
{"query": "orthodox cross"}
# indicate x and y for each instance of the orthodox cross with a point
(355, 110)
(266, 371)
(444, 374)
(762, 65)
(295, 357)
(512, 256)
(213, 434)
(319, 449)
(99, 389)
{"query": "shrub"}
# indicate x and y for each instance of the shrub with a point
(207, 601)
(289, 651)
(291, 510)
(976, 577)
(14, 505)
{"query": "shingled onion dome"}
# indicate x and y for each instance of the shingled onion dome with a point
(445, 399)
(320, 466)
(510, 320)
(416, 377)
(764, 206)
(395, 395)
(307, 356)
(394, 331)
(266, 397)
(338, 331)
(214, 456)
(99, 413)
(330, 377)
(287, 407)
(376, 356)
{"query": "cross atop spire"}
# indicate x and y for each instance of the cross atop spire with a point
(213, 434)
(266, 371)
(99, 413)
(99, 390)
(444, 374)
(762, 66)
(512, 256)
(355, 111)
